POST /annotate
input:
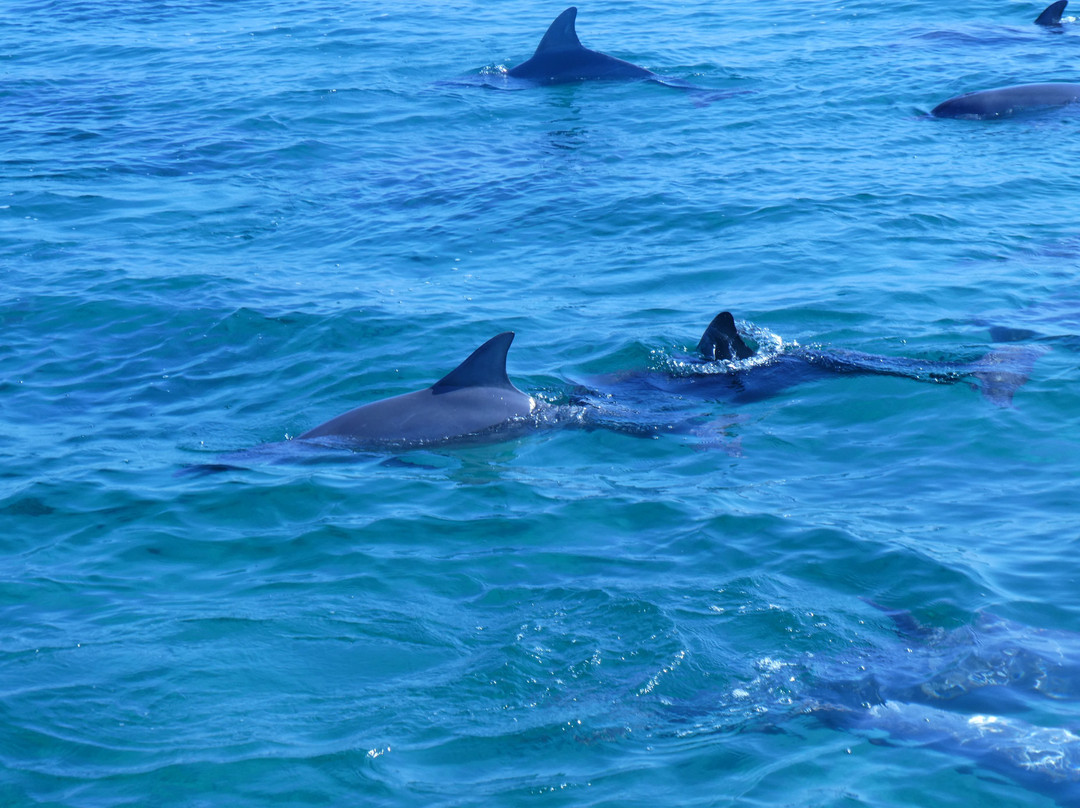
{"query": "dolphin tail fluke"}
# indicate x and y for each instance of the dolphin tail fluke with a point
(721, 340)
(1052, 14)
(1001, 373)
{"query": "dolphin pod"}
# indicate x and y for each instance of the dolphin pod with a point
(1004, 102)
(560, 58)
(477, 400)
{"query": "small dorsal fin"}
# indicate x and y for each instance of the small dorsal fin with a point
(721, 340)
(560, 35)
(485, 367)
(1052, 14)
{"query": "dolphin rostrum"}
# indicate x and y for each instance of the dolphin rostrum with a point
(1007, 101)
(473, 399)
(560, 58)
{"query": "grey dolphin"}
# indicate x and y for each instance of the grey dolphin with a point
(1007, 101)
(560, 58)
(475, 398)
(1051, 15)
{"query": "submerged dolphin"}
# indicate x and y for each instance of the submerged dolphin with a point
(1007, 101)
(1043, 759)
(560, 58)
(960, 665)
(967, 692)
(727, 368)
(1051, 15)
(473, 399)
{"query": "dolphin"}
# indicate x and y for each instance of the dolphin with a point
(1051, 15)
(560, 58)
(967, 692)
(472, 400)
(991, 653)
(726, 367)
(1040, 758)
(1007, 101)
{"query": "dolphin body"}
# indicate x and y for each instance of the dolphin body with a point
(1008, 101)
(560, 58)
(969, 666)
(727, 368)
(966, 692)
(472, 400)
(1042, 759)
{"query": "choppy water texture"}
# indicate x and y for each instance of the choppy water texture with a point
(224, 223)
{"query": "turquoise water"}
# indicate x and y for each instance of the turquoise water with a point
(222, 224)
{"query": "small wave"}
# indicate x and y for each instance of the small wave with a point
(767, 344)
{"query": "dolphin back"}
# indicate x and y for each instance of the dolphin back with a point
(1006, 101)
(475, 397)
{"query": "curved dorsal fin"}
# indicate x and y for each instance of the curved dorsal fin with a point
(1052, 14)
(721, 340)
(485, 367)
(560, 35)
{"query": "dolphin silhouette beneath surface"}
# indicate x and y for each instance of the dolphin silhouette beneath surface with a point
(966, 692)
(1051, 15)
(1008, 101)
(1042, 759)
(727, 368)
(474, 399)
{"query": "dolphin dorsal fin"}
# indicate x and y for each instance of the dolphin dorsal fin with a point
(721, 340)
(1052, 14)
(485, 367)
(560, 35)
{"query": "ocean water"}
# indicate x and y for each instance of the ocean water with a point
(222, 224)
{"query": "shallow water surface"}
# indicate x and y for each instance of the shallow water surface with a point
(224, 224)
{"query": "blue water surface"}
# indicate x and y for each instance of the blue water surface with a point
(222, 224)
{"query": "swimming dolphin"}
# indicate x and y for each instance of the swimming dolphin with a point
(963, 665)
(728, 368)
(1040, 758)
(473, 399)
(560, 58)
(966, 692)
(1007, 101)
(1051, 15)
